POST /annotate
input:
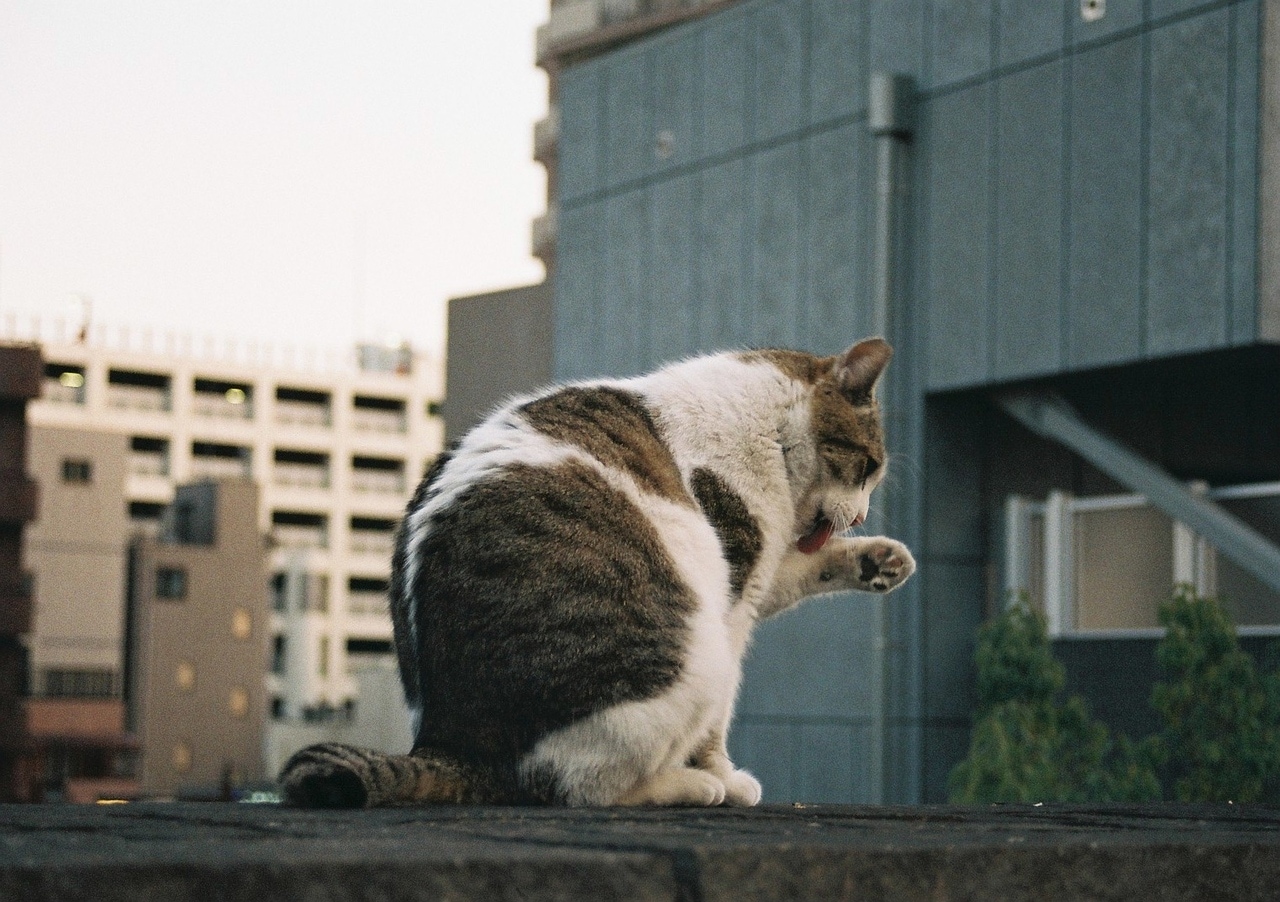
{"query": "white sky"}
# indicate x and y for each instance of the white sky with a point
(304, 171)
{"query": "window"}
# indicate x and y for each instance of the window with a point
(241, 623)
(322, 664)
(185, 676)
(367, 595)
(60, 683)
(64, 383)
(277, 708)
(138, 391)
(171, 583)
(181, 757)
(77, 471)
(146, 511)
(238, 702)
(1106, 564)
(279, 592)
(220, 398)
(278, 648)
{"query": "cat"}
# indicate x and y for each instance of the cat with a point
(574, 585)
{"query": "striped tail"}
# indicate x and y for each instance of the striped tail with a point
(332, 775)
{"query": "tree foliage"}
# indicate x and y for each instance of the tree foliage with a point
(1026, 745)
(1221, 715)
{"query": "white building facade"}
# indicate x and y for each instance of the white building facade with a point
(337, 445)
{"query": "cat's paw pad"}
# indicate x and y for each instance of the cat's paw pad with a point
(741, 790)
(884, 564)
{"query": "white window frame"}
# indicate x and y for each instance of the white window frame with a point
(1194, 558)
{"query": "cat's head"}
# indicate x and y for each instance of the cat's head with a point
(842, 458)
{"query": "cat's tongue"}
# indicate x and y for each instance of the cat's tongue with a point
(813, 540)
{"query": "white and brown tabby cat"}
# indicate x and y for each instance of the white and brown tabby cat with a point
(575, 585)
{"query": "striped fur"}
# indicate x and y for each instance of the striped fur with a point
(575, 584)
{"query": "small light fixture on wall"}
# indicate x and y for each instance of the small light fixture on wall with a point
(1092, 10)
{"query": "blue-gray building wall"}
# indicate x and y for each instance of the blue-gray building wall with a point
(1082, 195)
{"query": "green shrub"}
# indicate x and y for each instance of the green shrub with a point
(1026, 746)
(1222, 717)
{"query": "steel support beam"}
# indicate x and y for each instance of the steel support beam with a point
(1053, 418)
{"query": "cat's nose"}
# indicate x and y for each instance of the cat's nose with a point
(858, 520)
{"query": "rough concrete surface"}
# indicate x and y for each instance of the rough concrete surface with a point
(192, 851)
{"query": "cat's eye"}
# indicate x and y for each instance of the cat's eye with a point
(869, 468)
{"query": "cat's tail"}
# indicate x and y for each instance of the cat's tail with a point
(332, 775)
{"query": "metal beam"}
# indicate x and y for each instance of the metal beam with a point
(1050, 416)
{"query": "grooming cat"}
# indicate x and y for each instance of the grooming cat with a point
(575, 585)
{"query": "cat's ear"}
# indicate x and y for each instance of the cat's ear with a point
(858, 369)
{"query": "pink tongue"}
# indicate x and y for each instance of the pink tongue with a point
(818, 537)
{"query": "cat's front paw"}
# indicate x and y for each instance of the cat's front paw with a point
(741, 790)
(883, 564)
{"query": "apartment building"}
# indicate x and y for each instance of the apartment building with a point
(335, 444)
(19, 383)
(76, 551)
(196, 644)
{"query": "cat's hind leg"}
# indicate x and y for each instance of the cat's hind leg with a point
(741, 789)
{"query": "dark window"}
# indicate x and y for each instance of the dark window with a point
(215, 449)
(242, 390)
(141, 380)
(145, 510)
(80, 683)
(434, 408)
(302, 396)
(278, 647)
(77, 471)
(368, 402)
(367, 584)
(381, 464)
(171, 583)
(373, 524)
(298, 518)
(307, 458)
(277, 708)
(368, 646)
(279, 600)
(145, 444)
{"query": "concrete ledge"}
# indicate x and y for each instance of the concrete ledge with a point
(253, 852)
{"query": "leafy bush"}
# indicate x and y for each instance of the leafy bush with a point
(1222, 717)
(1026, 746)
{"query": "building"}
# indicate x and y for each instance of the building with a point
(499, 346)
(19, 383)
(578, 30)
(77, 551)
(335, 445)
(1063, 216)
(198, 623)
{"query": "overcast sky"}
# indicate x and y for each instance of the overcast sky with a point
(313, 171)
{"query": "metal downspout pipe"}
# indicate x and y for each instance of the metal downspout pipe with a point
(890, 108)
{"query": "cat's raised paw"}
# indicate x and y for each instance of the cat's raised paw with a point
(884, 564)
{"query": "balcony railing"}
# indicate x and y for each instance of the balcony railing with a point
(379, 543)
(138, 398)
(307, 416)
(219, 468)
(300, 476)
(288, 536)
(367, 604)
(377, 482)
(386, 421)
(56, 393)
(148, 464)
(218, 407)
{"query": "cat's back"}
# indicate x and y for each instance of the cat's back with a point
(544, 570)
